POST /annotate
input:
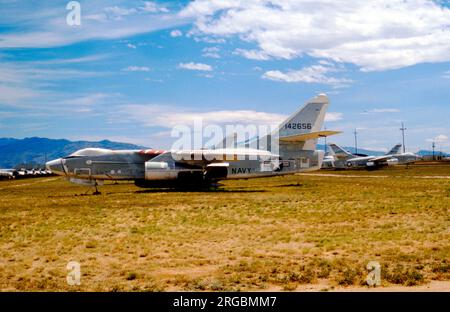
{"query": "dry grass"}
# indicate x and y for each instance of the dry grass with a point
(276, 233)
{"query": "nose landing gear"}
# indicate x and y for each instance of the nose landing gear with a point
(95, 185)
(97, 192)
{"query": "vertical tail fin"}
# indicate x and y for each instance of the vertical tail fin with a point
(308, 118)
(330, 151)
(340, 152)
(299, 133)
(395, 150)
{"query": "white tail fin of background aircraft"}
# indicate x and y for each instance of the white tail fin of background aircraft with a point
(395, 150)
(341, 152)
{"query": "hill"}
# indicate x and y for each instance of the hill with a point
(34, 151)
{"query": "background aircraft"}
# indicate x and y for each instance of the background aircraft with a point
(8, 173)
(297, 137)
(345, 159)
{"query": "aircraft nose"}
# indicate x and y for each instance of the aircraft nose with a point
(55, 166)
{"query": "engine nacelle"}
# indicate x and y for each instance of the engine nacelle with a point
(392, 162)
(169, 171)
(160, 170)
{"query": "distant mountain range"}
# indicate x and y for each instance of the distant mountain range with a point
(34, 151)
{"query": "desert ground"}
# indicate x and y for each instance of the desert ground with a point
(315, 231)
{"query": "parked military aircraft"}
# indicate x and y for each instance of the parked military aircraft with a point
(297, 138)
(345, 159)
(329, 159)
(8, 173)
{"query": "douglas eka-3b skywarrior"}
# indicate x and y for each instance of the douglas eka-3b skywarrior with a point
(296, 140)
(339, 158)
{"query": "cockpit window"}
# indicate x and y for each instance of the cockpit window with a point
(90, 152)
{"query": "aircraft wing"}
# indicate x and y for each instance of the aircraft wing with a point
(215, 165)
(381, 158)
(308, 136)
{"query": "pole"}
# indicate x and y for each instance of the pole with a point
(325, 128)
(433, 145)
(356, 142)
(403, 136)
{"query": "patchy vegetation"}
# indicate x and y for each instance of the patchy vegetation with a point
(276, 233)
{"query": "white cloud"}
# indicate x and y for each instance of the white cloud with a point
(136, 69)
(118, 13)
(48, 27)
(162, 116)
(311, 74)
(374, 35)
(333, 116)
(212, 52)
(252, 54)
(153, 115)
(153, 7)
(131, 46)
(84, 59)
(195, 66)
(208, 39)
(447, 75)
(24, 83)
(441, 138)
(176, 33)
(16, 94)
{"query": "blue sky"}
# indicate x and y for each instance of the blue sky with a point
(134, 69)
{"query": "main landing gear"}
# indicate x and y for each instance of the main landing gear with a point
(95, 185)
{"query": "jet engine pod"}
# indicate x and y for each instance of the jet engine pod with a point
(392, 162)
(159, 170)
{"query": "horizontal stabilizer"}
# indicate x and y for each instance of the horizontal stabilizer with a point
(308, 136)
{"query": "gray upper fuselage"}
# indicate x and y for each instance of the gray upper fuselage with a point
(103, 164)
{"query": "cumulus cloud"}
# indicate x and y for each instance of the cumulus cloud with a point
(311, 74)
(374, 35)
(131, 46)
(195, 66)
(136, 69)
